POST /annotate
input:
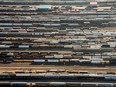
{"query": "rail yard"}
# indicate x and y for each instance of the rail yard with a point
(58, 43)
